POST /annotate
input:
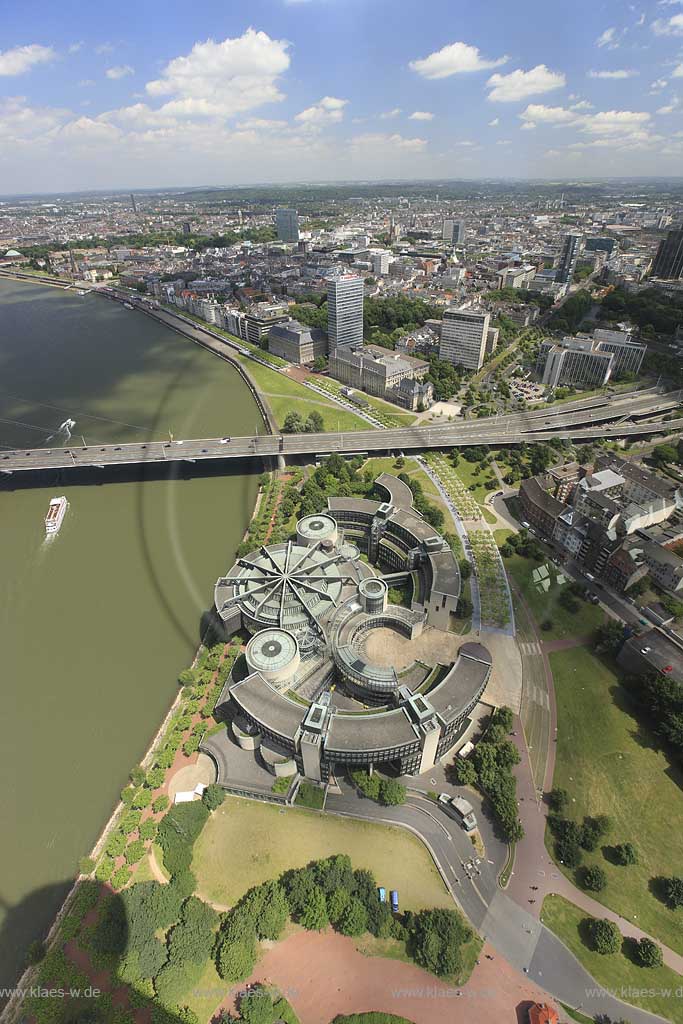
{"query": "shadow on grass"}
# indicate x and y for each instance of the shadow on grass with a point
(657, 887)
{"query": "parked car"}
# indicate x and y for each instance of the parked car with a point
(382, 893)
(394, 900)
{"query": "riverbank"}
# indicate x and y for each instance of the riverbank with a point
(97, 624)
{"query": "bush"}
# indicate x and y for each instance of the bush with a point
(148, 829)
(137, 776)
(177, 832)
(86, 865)
(648, 953)
(593, 830)
(142, 799)
(130, 822)
(213, 796)
(625, 853)
(127, 795)
(116, 844)
(104, 869)
(673, 892)
(594, 878)
(392, 792)
(155, 778)
(435, 938)
(558, 800)
(135, 852)
(354, 919)
(161, 803)
(120, 878)
(465, 772)
(605, 936)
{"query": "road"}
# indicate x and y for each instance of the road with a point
(514, 933)
(529, 426)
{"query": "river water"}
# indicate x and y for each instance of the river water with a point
(96, 623)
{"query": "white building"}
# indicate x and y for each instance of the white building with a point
(464, 335)
(344, 309)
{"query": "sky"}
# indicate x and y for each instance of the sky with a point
(223, 92)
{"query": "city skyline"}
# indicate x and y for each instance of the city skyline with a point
(246, 97)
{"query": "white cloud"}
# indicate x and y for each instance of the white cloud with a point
(494, 123)
(224, 78)
(614, 122)
(581, 105)
(668, 27)
(519, 84)
(75, 47)
(677, 71)
(620, 73)
(388, 114)
(380, 140)
(454, 59)
(20, 122)
(22, 58)
(538, 113)
(119, 71)
(671, 107)
(608, 39)
(328, 110)
(421, 115)
(104, 48)
(658, 85)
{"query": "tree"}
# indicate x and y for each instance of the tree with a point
(392, 792)
(236, 959)
(257, 1007)
(315, 424)
(213, 796)
(673, 892)
(354, 918)
(465, 772)
(594, 878)
(337, 902)
(465, 569)
(605, 936)
(293, 424)
(610, 636)
(86, 865)
(625, 853)
(648, 953)
(320, 363)
(558, 800)
(315, 917)
(593, 830)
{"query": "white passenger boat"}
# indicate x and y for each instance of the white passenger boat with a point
(55, 515)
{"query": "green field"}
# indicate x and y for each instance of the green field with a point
(614, 970)
(246, 842)
(545, 605)
(609, 764)
(286, 395)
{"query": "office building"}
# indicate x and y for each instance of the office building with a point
(383, 373)
(287, 224)
(600, 244)
(453, 231)
(464, 337)
(567, 260)
(344, 309)
(668, 262)
(380, 263)
(296, 343)
(589, 360)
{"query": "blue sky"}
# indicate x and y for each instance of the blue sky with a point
(150, 94)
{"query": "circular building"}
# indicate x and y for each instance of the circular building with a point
(274, 653)
(285, 586)
(316, 529)
(373, 594)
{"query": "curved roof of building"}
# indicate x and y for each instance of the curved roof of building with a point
(271, 650)
(399, 492)
(463, 683)
(285, 585)
(384, 731)
(277, 713)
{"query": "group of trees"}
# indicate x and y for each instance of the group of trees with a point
(660, 699)
(332, 892)
(380, 788)
(654, 311)
(489, 768)
(570, 314)
(573, 838)
(296, 424)
(522, 543)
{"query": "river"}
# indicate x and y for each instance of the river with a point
(96, 624)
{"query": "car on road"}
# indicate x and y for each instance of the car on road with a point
(382, 894)
(226, 440)
(460, 809)
(393, 895)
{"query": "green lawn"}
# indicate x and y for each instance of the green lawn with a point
(467, 473)
(609, 765)
(614, 970)
(286, 395)
(246, 842)
(412, 469)
(546, 604)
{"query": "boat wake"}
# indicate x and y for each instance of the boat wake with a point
(63, 431)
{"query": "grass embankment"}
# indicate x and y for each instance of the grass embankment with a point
(286, 395)
(412, 469)
(609, 764)
(545, 605)
(246, 843)
(615, 971)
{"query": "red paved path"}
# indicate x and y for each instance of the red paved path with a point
(323, 975)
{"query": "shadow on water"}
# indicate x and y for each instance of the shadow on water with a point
(87, 967)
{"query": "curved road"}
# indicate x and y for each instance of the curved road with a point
(514, 933)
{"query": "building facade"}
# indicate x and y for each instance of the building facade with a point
(344, 310)
(668, 263)
(464, 335)
(287, 224)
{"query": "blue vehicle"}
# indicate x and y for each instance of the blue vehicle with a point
(382, 893)
(393, 895)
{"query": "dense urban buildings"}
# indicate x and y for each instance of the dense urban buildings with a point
(589, 360)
